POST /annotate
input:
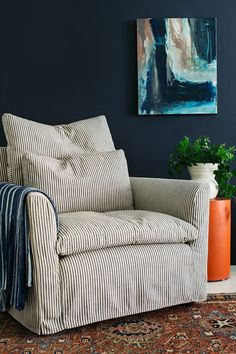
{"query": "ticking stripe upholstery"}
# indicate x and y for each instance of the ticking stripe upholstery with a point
(92, 286)
(83, 231)
(3, 164)
(187, 200)
(42, 312)
(57, 141)
(124, 280)
(15, 254)
(92, 181)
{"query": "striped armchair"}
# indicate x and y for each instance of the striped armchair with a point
(76, 288)
(123, 246)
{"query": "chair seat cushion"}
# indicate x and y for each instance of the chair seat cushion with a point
(84, 231)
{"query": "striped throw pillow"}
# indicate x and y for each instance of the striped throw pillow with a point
(89, 135)
(3, 164)
(86, 182)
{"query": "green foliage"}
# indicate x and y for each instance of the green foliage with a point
(223, 178)
(202, 150)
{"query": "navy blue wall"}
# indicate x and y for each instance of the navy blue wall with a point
(67, 60)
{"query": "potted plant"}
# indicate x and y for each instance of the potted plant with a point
(206, 162)
(212, 163)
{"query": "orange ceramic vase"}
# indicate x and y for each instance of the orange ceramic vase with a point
(219, 240)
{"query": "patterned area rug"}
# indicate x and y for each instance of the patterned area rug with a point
(207, 327)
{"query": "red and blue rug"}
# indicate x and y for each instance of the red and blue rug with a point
(199, 328)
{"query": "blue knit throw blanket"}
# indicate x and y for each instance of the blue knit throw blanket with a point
(15, 255)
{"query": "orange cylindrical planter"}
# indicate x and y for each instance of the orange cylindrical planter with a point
(219, 240)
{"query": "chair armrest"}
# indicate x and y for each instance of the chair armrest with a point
(179, 198)
(43, 237)
(186, 200)
(43, 305)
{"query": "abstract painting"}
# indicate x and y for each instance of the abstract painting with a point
(177, 71)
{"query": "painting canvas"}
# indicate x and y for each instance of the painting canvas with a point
(177, 72)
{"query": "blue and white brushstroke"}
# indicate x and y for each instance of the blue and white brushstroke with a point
(177, 71)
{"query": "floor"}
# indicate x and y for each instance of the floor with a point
(224, 286)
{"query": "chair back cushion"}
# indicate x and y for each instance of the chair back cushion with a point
(92, 181)
(89, 135)
(3, 164)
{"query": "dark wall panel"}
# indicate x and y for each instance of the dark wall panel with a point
(67, 60)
